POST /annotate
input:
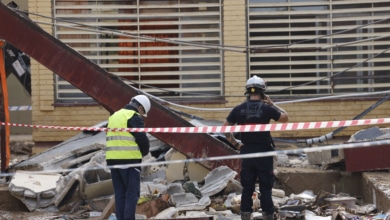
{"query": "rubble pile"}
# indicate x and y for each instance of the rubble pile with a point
(217, 196)
(224, 202)
(83, 187)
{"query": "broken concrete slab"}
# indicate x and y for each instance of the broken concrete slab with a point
(233, 186)
(36, 191)
(201, 204)
(297, 180)
(217, 180)
(325, 157)
(183, 171)
(63, 153)
(343, 201)
(376, 189)
(179, 199)
(188, 201)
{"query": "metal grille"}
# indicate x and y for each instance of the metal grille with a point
(337, 66)
(165, 68)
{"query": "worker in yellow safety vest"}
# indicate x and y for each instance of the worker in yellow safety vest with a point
(124, 148)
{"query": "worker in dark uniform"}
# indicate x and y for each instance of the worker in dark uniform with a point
(257, 109)
(124, 148)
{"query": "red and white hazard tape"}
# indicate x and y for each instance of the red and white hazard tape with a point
(225, 129)
(20, 108)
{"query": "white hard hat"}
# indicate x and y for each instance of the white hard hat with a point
(144, 101)
(255, 82)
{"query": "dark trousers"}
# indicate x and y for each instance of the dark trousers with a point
(127, 188)
(253, 170)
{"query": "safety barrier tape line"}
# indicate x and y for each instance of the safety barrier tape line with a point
(217, 158)
(225, 129)
(20, 108)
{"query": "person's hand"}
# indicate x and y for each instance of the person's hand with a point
(267, 100)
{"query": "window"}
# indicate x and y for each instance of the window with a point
(145, 49)
(358, 67)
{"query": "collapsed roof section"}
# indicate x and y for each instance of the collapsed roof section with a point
(107, 89)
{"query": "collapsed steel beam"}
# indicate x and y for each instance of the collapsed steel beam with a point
(107, 89)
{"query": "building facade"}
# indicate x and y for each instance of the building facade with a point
(200, 53)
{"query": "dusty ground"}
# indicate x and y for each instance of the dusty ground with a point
(30, 215)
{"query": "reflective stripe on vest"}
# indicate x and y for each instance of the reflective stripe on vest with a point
(121, 144)
(112, 138)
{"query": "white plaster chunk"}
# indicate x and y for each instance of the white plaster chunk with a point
(179, 199)
(157, 188)
(200, 205)
(175, 188)
(35, 182)
(278, 201)
(307, 196)
(347, 202)
(29, 194)
(217, 180)
(232, 199)
(174, 171)
(278, 193)
(35, 190)
(48, 194)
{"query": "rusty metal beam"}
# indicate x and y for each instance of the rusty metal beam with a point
(367, 158)
(4, 114)
(107, 89)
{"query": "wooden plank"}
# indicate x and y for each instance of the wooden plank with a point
(108, 210)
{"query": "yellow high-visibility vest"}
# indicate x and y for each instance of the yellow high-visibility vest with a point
(121, 144)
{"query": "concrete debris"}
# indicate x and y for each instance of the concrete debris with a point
(183, 171)
(306, 196)
(37, 191)
(363, 210)
(217, 180)
(178, 190)
(24, 148)
(337, 202)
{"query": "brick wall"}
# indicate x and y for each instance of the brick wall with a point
(42, 81)
(235, 73)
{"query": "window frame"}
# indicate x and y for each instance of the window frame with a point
(199, 68)
(284, 71)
